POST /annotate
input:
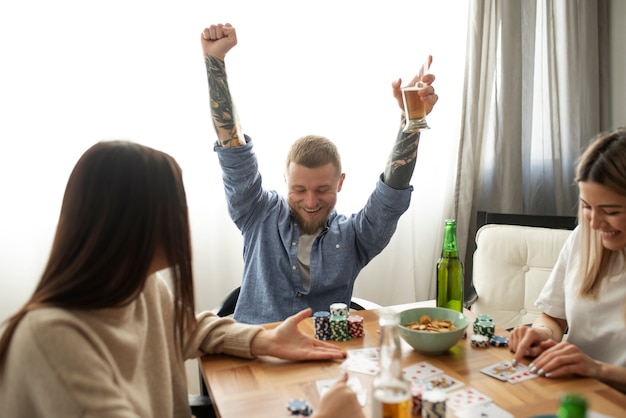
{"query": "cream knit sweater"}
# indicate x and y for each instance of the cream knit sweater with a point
(120, 362)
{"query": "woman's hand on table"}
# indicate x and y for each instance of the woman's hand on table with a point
(339, 401)
(287, 342)
(527, 341)
(534, 340)
(564, 359)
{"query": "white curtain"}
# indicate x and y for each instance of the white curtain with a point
(532, 101)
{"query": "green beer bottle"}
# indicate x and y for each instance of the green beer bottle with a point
(450, 271)
(572, 405)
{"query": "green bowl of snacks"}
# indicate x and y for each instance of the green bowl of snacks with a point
(432, 330)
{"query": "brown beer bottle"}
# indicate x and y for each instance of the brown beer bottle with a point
(450, 271)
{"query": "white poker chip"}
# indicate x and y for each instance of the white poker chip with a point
(480, 341)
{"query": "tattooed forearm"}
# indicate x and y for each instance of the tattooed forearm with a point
(401, 162)
(222, 108)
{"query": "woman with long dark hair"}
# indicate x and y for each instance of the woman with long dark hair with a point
(103, 334)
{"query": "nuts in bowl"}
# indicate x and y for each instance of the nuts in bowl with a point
(426, 323)
(432, 330)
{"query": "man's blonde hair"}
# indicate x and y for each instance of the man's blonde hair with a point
(314, 151)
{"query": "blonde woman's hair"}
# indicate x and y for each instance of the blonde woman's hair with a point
(604, 163)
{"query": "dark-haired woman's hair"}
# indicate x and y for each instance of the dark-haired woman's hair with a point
(123, 203)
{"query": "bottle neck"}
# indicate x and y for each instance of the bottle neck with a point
(449, 247)
(390, 348)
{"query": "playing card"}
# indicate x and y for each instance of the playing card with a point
(489, 410)
(444, 382)
(420, 371)
(372, 353)
(501, 371)
(360, 365)
(522, 373)
(465, 398)
(353, 383)
(506, 372)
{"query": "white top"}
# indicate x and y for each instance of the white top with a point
(596, 326)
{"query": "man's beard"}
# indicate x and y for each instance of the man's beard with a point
(307, 227)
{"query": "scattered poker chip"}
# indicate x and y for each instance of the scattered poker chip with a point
(480, 341)
(299, 407)
(499, 341)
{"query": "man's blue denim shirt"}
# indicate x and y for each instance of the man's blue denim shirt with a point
(271, 287)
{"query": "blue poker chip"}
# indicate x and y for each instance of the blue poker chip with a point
(299, 407)
(499, 341)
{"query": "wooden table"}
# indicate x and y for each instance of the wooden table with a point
(262, 387)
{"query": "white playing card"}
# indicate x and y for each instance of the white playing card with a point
(489, 410)
(372, 353)
(420, 371)
(522, 373)
(501, 371)
(360, 365)
(462, 399)
(444, 382)
(506, 372)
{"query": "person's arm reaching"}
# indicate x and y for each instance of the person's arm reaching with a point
(532, 341)
(401, 162)
(556, 358)
(217, 40)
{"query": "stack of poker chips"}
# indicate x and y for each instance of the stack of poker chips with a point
(434, 403)
(484, 328)
(338, 324)
(483, 325)
(322, 325)
(355, 326)
(417, 389)
(339, 328)
(339, 309)
(480, 341)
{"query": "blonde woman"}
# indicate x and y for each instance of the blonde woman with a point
(582, 330)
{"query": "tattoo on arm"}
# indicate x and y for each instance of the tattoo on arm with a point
(401, 162)
(222, 108)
